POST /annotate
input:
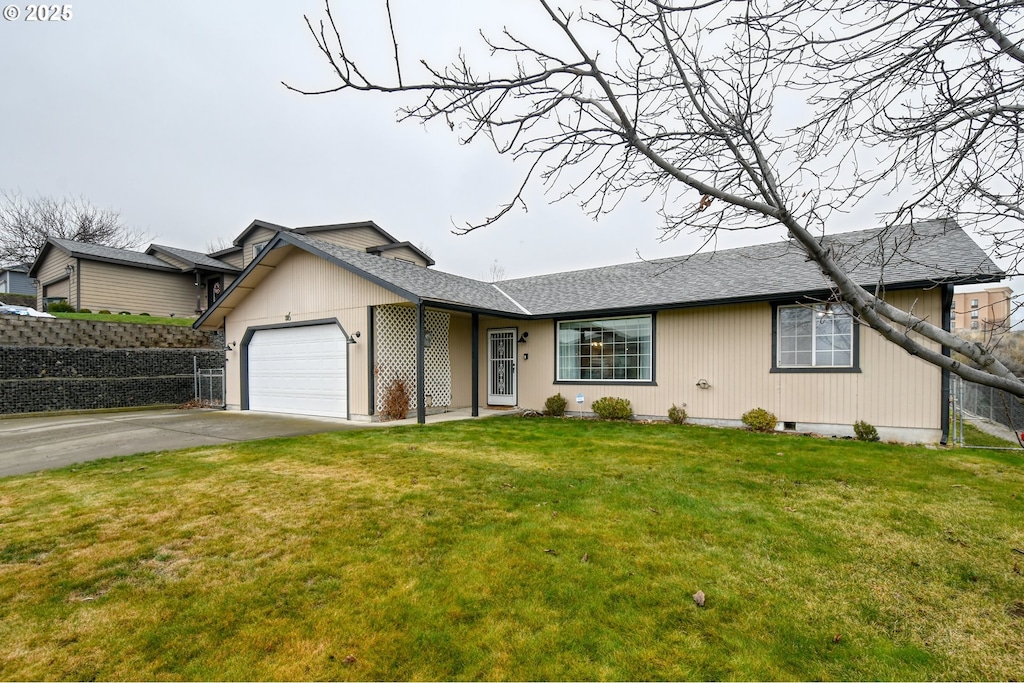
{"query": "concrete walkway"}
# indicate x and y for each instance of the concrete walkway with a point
(29, 444)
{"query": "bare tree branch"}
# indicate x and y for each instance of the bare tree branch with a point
(740, 114)
(25, 225)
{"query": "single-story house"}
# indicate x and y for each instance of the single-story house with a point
(15, 280)
(166, 280)
(321, 327)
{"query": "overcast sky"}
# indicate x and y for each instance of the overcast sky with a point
(173, 113)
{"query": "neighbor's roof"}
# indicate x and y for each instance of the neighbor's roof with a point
(924, 254)
(194, 258)
(98, 252)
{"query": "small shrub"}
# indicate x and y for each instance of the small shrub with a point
(759, 420)
(865, 431)
(555, 405)
(143, 313)
(612, 408)
(60, 307)
(677, 415)
(84, 310)
(125, 313)
(104, 312)
(396, 399)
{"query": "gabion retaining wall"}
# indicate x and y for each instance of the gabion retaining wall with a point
(50, 365)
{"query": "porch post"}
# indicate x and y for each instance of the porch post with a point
(421, 341)
(944, 402)
(475, 373)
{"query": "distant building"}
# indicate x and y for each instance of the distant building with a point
(15, 280)
(986, 310)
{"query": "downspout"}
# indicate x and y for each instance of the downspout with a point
(475, 372)
(78, 283)
(421, 341)
(199, 294)
(947, 302)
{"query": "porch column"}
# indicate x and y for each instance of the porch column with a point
(475, 373)
(421, 342)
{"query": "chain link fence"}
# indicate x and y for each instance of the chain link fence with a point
(977, 401)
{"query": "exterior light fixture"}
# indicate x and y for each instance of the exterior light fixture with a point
(522, 337)
(353, 338)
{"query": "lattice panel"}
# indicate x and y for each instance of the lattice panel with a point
(395, 342)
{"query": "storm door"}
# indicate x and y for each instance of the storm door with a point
(501, 367)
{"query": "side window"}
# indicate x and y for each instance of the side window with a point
(814, 336)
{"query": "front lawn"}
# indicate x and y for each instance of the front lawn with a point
(521, 549)
(118, 318)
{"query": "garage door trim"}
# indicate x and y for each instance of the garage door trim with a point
(251, 331)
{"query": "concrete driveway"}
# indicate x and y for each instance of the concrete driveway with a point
(37, 443)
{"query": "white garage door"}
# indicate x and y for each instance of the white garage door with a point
(299, 370)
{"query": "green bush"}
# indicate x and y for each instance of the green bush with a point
(759, 420)
(865, 431)
(125, 313)
(104, 312)
(555, 405)
(84, 310)
(143, 313)
(612, 408)
(677, 415)
(60, 307)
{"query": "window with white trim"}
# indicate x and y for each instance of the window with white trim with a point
(814, 336)
(609, 350)
(258, 247)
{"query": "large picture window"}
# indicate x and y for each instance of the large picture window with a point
(814, 336)
(616, 349)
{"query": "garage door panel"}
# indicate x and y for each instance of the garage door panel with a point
(300, 370)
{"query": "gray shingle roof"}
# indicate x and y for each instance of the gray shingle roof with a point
(100, 252)
(425, 283)
(936, 251)
(196, 258)
(928, 252)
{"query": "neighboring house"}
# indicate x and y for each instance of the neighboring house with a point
(984, 310)
(168, 280)
(318, 328)
(15, 280)
(161, 281)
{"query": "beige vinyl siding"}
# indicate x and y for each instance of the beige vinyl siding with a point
(116, 288)
(404, 253)
(353, 238)
(258, 235)
(730, 347)
(460, 352)
(310, 288)
(234, 259)
(53, 269)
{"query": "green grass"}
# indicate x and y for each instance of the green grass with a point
(518, 549)
(975, 437)
(115, 318)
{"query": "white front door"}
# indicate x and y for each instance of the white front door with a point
(501, 367)
(299, 370)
